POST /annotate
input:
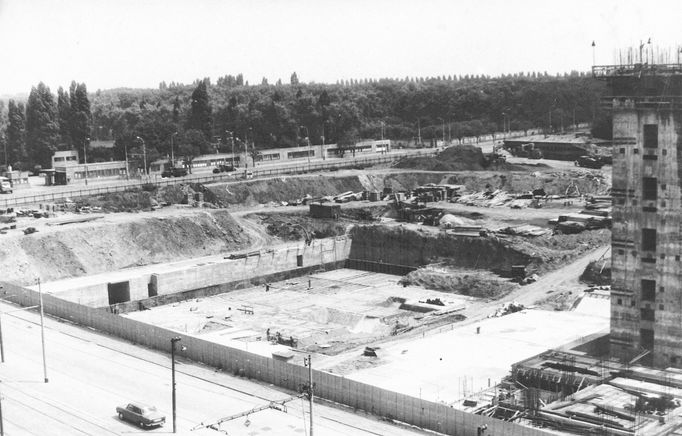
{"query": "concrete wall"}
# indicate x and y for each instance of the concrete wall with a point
(425, 414)
(214, 273)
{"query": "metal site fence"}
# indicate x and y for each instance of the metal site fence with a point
(239, 175)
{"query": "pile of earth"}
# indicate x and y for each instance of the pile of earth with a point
(474, 283)
(296, 226)
(457, 158)
(597, 273)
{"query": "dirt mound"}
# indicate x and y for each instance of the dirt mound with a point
(597, 273)
(474, 283)
(296, 226)
(456, 158)
(108, 246)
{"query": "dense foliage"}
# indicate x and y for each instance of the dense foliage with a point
(205, 117)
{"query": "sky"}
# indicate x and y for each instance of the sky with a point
(139, 43)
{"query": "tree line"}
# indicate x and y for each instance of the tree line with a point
(199, 118)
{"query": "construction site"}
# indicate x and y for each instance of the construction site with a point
(479, 291)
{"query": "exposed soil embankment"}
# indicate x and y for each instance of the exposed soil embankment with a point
(465, 264)
(108, 246)
(474, 283)
(403, 246)
(249, 193)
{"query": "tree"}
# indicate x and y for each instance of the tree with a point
(81, 118)
(193, 144)
(16, 130)
(42, 126)
(64, 110)
(200, 111)
(294, 78)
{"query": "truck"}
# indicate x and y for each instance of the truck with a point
(5, 186)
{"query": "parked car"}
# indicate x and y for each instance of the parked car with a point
(141, 414)
(174, 172)
(223, 168)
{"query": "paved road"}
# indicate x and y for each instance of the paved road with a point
(89, 374)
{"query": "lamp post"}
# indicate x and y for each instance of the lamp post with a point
(443, 121)
(85, 158)
(125, 149)
(231, 140)
(172, 152)
(144, 154)
(42, 330)
(173, 341)
(307, 137)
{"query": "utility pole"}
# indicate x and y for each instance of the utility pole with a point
(382, 130)
(42, 329)
(308, 362)
(173, 341)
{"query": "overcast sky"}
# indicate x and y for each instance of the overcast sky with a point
(139, 43)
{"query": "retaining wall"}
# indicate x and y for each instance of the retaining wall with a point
(198, 276)
(422, 413)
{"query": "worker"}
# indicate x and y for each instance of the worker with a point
(267, 287)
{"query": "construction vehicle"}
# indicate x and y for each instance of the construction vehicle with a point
(528, 150)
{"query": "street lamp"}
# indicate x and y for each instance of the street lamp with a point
(144, 154)
(307, 137)
(443, 121)
(172, 153)
(42, 330)
(85, 158)
(232, 140)
(173, 341)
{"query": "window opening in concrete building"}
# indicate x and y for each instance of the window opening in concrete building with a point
(646, 338)
(649, 188)
(299, 260)
(647, 314)
(649, 290)
(649, 239)
(651, 135)
(118, 292)
(151, 289)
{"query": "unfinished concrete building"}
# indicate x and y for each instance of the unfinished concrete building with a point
(646, 298)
